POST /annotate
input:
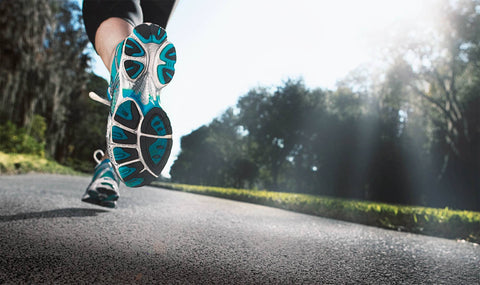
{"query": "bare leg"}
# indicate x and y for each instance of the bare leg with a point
(110, 32)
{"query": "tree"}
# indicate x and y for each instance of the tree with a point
(274, 123)
(86, 125)
(441, 68)
(24, 29)
(214, 155)
(44, 51)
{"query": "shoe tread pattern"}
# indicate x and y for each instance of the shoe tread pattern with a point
(153, 152)
(149, 33)
(166, 71)
(139, 158)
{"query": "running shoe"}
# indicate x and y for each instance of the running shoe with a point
(139, 134)
(103, 190)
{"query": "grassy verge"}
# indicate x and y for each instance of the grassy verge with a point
(445, 223)
(25, 163)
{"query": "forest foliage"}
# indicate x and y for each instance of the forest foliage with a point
(44, 81)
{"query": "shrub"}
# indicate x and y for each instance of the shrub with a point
(14, 139)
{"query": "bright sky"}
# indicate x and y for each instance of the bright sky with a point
(226, 47)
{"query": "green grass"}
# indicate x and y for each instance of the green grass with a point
(27, 163)
(445, 223)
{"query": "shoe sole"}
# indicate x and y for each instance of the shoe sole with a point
(103, 194)
(139, 133)
(107, 204)
(104, 197)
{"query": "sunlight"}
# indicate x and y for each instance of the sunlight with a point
(330, 38)
(262, 43)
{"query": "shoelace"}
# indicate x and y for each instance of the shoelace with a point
(95, 155)
(95, 97)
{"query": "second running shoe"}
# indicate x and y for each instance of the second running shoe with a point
(139, 134)
(103, 190)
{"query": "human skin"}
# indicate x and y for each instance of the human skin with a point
(109, 34)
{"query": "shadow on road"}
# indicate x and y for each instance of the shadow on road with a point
(58, 213)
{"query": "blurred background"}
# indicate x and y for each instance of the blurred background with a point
(371, 100)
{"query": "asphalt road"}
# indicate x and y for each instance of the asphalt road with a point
(157, 236)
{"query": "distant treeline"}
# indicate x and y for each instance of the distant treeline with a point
(409, 134)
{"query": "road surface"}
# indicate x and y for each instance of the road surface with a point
(157, 236)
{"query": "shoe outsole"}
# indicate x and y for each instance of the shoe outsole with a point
(104, 194)
(139, 134)
(102, 197)
(107, 204)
